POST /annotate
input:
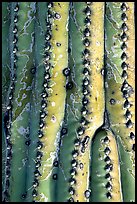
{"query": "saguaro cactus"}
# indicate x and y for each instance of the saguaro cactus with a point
(68, 93)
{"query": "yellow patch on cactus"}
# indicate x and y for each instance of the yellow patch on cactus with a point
(57, 92)
(96, 99)
(131, 54)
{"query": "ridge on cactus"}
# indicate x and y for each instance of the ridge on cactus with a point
(68, 102)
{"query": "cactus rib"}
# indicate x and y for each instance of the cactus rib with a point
(120, 84)
(56, 97)
(21, 63)
(105, 176)
(95, 106)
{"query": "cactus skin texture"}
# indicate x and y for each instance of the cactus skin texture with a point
(5, 81)
(120, 87)
(105, 175)
(37, 90)
(68, 102)
(55, 100)
(22, 41)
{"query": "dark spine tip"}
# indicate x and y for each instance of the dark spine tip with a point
(124, 17)
(108, 194)
(69, 86)
(133, 147)
(64, 131)
(107, 150)
(71, 200)
(38, 164)
(50, 5)
(71, 191)
(75, 153)
(73, 172)
(106, 140)
(74, 163)
(123, 7)
(87, 21)
(107, 160)
(84, 111)
(124, 74)
(39, 155)
(35, 183)
(124, 46)
(132, 136)
(55, 176)
(37, 173)
(127, 104)
(80, 131)
(108, 167)
(124, 37)
(85, 101)
(86, 42)
(86, 32)
(56, 164)
(66, 72)
(109, 186)
(77, 142)
(87, 11)
(124, 27)
(124, 56)
(108, 176)
(40, 134)
(72, 181)
(34, 193)
(86, 71)
(86, 53)
(112, 101)
(40, 145)
(87, 193)
(28, 142)
(129, 124)
(24, 195)
(57, 16)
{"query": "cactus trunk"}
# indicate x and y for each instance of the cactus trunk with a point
(68, 102)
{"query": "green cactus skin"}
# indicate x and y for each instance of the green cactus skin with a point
(78, 184)
(120, 86)
(5, 80)
(56, 121)
(95, 106)
(105, 189)
(55, 100)
(37, 90)
(23, 51)
(5, 53)
(73, 106)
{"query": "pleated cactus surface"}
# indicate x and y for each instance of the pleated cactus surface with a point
(68, 102)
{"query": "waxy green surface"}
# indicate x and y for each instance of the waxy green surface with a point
(37, 89)
(26, 102)
(21, 101)
(73, 102)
